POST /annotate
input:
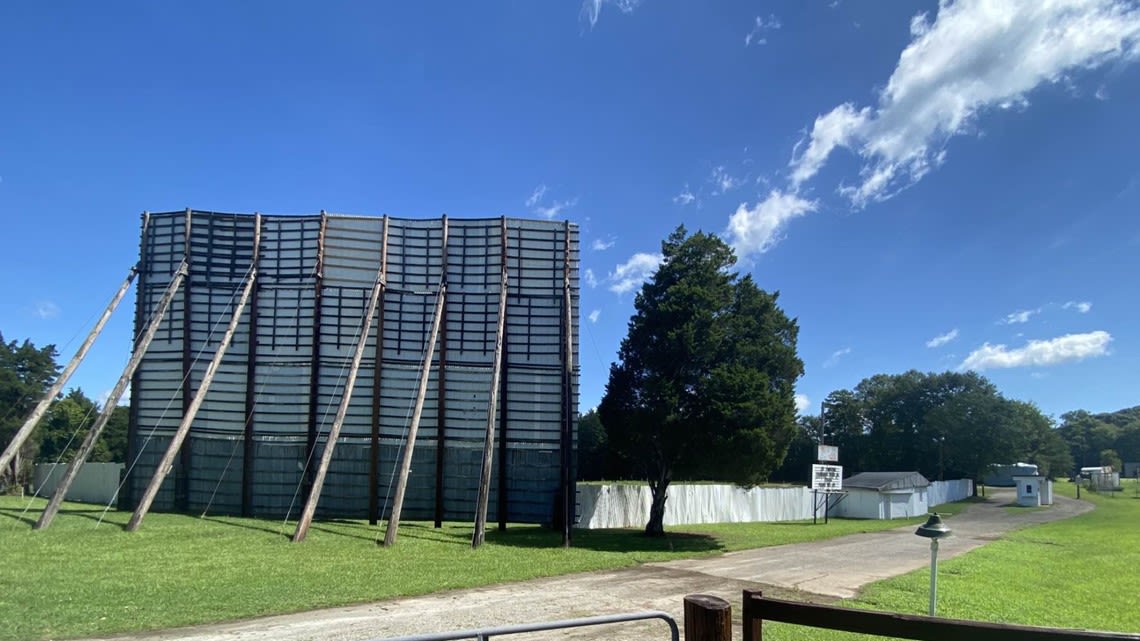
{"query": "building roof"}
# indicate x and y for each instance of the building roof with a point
(883, 481)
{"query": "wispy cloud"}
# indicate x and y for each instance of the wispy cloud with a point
(632, 273)
(594, 315)
(1083, 307)
(590, 278)
(1039, 353)
(686, 197)
(722, 181)
(759, 30)
(756, 229)
(942, 339)
(553, 210)
(1020, 316)
(976, 56)
(601, 245)
(592, 9)
(836, 356)
(45, 309)
(802, 403)
(536, 196)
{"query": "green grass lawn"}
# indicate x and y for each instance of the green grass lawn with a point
(1077, 573)
(75, 579)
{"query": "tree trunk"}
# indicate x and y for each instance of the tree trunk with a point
(656, 525)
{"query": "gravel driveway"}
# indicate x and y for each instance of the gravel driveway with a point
(828, 569)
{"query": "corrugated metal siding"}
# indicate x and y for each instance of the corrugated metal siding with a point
(418, 264)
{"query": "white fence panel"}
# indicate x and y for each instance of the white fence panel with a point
(941, 492)
(95, 483)
(618, 506)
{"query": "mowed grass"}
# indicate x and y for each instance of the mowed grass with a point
(1076, 573)
(75, 579)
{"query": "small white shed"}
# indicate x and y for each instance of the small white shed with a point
(883, 495)
(1034, 490)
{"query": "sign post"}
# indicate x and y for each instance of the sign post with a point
(827, 479)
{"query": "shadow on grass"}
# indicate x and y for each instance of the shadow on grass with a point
(20, 515)
(608, 540)
(256, 525)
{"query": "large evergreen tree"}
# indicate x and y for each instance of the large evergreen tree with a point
(704, 385)
(26, 373)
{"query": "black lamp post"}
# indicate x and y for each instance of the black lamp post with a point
(934, 529)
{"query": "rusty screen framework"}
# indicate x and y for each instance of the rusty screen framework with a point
(253, 445)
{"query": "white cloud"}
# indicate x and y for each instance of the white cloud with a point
(1039, 353)
(591, 279)
(601, 245)
(802, 403)
(723, 182)
(760, 28)
(554, 210)
(686, 197)
(976, 56)
(536, 196)
(592, 9)
(757, 229)
(45, 309)
(942, 339)
(594, 315)
(1020, 316)
(835, 357)
(630, 274)
(1081, 306)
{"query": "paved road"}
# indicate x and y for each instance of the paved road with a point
(827, 569)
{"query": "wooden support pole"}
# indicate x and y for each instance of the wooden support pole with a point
(707, 618)
(166, 464)
(377, 370)
(182, 479)
(247, 455)
(410, 444)
(441, 395)
(504, 398)
(112, 400)
(346, 397)
(567, 484)
(489, 437)
(315, 361)
(41, 408)
(127, 494)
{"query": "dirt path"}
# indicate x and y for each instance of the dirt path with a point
(829, 569)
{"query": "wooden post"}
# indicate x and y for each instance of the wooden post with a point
(167, 461)
(126, 494)
(707, 618)
(112, 400)
(751, 621)
(441, 395)
(410, 444)
(567, 444)
(315, 361)
(22, 434)
(489, 437)
(247, 457)
(182, 479)
(377, 370)
(346, 397)
(504, 398)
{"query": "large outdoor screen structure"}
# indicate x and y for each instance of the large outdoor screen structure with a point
(302, 287)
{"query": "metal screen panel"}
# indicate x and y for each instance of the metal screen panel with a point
(275, 396)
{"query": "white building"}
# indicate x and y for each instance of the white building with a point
(883, 495)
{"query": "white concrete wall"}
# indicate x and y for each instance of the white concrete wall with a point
(618, 506)
(95, 483)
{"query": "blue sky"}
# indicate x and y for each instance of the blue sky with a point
(928, 186)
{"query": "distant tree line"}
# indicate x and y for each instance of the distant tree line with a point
(26, 374)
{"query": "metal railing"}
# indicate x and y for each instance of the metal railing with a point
(482, 634)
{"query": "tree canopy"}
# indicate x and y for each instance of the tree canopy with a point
(704, 383)
(26, 373)
(945, 425)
